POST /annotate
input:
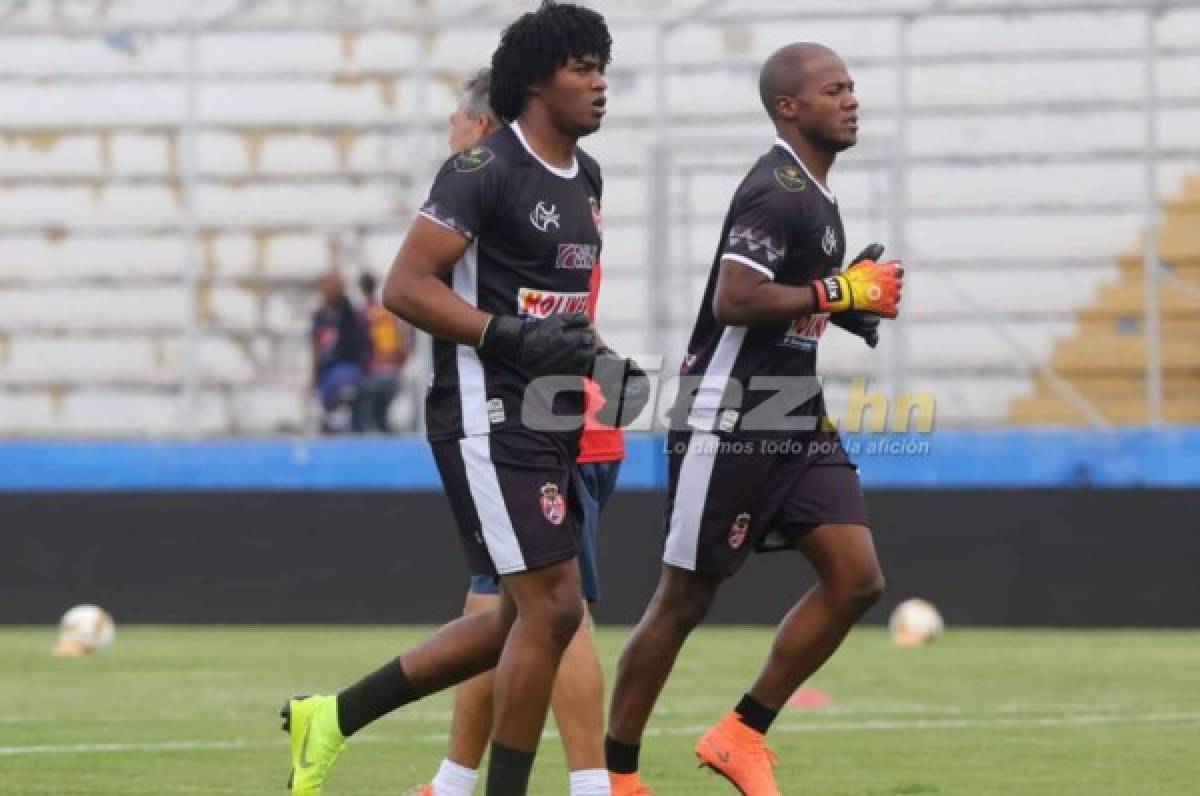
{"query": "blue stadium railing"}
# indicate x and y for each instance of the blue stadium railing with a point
(1009, 458)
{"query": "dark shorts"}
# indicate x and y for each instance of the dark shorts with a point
(514, 499)
(728, 496)
(596, 482)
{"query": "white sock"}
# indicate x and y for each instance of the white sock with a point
(454, 780)
(590, 782)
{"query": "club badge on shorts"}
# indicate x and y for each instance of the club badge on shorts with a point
(738, 531)
(553, 505)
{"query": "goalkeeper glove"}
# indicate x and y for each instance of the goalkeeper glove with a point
(857, 322)
(625, 386)
(560, 344)
(866, 285)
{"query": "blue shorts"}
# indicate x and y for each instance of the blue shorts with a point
(596, 482)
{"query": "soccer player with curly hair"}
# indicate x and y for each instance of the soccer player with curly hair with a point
(497, 268)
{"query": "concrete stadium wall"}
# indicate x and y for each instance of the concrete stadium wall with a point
(1053, 557)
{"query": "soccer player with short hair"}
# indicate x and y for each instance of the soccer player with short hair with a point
(578, 696)
(744, 475)
(497, 269)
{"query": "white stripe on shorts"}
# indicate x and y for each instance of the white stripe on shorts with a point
(499, 536)
(691, 493)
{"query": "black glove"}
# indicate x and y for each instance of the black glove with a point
(863, 324)
(560, 344)
(625, 386)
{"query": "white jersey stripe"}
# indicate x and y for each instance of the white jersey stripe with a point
(499, 536)
(438, 221)
(703, 416)
(737, 258)
(691, 494)
(472, 389)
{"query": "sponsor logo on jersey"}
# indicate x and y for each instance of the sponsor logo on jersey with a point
(755, 240)
(544, 216)
(738, 531)
(473, 159)
(790, 179)
(495, 411)
(533, 303)
(829, 243)
(554, 507)
(805, 333)
(577, 256)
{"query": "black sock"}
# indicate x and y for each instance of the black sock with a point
(621, 758)
(375, 695)
(508, 771)
(755, 714)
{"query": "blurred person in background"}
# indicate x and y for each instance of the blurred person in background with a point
(577, 699)
(390, 346)
(341, 351)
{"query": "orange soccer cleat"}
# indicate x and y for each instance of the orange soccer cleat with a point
(628, 785)
(741, 755)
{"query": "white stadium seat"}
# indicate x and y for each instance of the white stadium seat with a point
(313, 148)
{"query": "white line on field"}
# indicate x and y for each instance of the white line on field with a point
(879, 725)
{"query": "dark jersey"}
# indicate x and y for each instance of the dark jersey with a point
(783, 223)
(339, 337)
(534, 234)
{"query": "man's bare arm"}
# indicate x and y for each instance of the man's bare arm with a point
(747, 297)
(415, 291)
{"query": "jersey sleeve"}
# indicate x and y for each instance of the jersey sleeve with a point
(465, 192)
(758, 231)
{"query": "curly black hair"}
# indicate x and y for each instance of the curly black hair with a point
(539, 43)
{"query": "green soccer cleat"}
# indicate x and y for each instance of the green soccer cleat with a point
(312, 723)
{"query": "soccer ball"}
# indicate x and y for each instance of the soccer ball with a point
(915, 622)
(84, 629)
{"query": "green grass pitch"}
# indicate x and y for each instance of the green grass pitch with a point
(173, 710)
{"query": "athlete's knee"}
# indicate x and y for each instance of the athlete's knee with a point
(680, 606)
(556, 608)
(564, 613)
(860, 588)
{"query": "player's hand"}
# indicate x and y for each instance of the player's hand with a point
(625, 386)
(857, 322)
(560, 344)
(867, 285)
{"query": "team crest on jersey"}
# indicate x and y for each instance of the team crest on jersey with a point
(738, 531)
(554, 507)
(544, 216)
(829, 243)
(790, 179)
(473, 159)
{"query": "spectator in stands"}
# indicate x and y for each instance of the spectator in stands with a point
(341, 350)
(389, 351)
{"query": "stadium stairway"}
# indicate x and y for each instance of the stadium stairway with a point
(1105, 359)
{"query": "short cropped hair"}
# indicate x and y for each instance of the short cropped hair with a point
(477, 92)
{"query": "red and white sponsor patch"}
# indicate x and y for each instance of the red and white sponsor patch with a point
(738, 531)
(533, 303)
(806, 332)
(554, 507)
